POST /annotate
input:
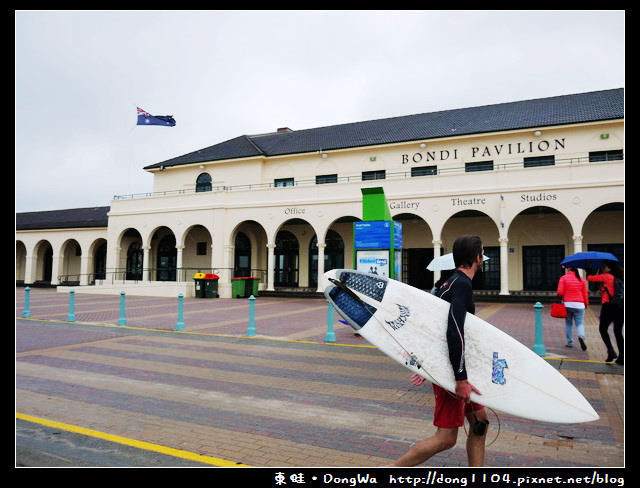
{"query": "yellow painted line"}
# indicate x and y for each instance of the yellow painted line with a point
(592, 361)
(205, 334)
(132, 442)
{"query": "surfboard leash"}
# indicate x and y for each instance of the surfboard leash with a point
(353, 295)
(483, 425)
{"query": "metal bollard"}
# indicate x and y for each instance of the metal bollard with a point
(71, 317)
(122, 320)
(330, 336)
(251, 330)
(538, 346)
(26, 313)
(180, 322)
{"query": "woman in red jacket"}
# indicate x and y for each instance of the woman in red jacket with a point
(575, 296)
(610, 312)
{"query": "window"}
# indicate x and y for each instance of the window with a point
(489, 279)
(322, 179)
(135, 256)
(242, 259)
(287, 259)
(540, 270)
(424, 171)
(479, 166)
(201, 248)
(598, 156)
(167, 259)
(281, 182)
(539, 161)
(373, 175)
(203, 183)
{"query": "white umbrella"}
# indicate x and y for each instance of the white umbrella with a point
(445, 262)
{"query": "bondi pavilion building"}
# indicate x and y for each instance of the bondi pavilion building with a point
(536, 179)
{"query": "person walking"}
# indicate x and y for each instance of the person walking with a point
(610, 312)
(575, 296)
(451, 409)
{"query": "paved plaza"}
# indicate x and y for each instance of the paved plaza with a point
(239, 382)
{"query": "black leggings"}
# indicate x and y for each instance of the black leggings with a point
(612, 313)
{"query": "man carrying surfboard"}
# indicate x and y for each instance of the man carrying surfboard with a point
(450, 409)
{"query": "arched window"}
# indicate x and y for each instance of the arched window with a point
(134, 261)
(100, 262)
(203, 183)
(333, 255)
(242, 260)
(286, 254)
(167, 259)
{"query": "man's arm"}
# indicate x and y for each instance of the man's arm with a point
(455, 336)
(455, 340)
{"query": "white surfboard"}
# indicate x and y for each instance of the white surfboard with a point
(409, 325)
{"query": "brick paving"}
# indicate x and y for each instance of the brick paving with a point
(285, 397)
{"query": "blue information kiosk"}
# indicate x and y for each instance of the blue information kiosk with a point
(378, 238)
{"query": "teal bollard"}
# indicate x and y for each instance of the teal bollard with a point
(26, 313)
(72, 316)
(538, 346)
(122, 320)
(330, 336)
(180, 322)
(251, 330)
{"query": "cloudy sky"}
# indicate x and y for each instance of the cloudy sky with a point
(79, 76)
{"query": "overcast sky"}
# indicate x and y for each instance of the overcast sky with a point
(79, 76)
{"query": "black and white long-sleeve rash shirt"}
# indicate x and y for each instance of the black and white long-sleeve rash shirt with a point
(457, 290)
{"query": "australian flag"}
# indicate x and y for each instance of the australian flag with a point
(145, 118)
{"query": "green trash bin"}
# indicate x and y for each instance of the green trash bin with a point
(244, 286)
(198, 280)
(239, 288)
(252, 284)
(211, 285)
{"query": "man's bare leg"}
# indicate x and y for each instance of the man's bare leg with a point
(442, 440)
(475, 443)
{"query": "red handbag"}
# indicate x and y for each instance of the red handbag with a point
(558, 310)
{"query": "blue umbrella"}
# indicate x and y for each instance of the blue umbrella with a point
(587, 259)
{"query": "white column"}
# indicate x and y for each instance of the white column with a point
(55, 269)
(84, 269)
(145, 263)
(179, 250)
(321, 246)
(577, 244)
(30, 269)
(577, 247)
(227, 264)
(271, 260)
(116, 276)
(437, 244)
(504, 266)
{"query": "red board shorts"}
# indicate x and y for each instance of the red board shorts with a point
(450, 412)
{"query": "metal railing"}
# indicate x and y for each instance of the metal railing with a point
(356, 178)
(123, 275)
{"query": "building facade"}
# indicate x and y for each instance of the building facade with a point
(537, 180)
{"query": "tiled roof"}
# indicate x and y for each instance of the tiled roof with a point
(543, 112)
(63, 219)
